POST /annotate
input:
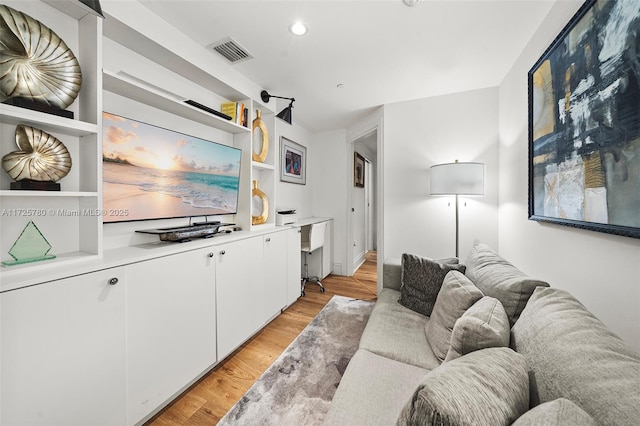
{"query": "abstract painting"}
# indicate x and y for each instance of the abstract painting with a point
(358, 170)
(293, 159)
(584, 122)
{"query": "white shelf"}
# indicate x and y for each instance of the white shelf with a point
(131, 89)
(263, 166)
(75, 9)
(9, 193)
(49, 123)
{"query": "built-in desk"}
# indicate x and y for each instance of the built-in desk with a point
(320, 261)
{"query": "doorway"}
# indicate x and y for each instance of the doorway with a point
(363, 202)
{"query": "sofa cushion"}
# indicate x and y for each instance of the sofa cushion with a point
(456, 296)
(498, 278)
(485, 387)
(396, 332)
(421, 281)
(559, 412)
(572, 354)
(372, 391)
(483, 325)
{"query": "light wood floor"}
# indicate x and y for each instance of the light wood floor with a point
(208, 400)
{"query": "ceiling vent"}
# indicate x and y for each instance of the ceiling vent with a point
(231, 50)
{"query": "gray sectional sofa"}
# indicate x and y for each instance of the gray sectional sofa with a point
(502, 348)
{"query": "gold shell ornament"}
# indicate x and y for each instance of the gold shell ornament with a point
(35, 63)
(42, 157)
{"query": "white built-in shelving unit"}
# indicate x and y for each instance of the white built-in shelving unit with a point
(72, 236)
(149, 53)
(166, 55)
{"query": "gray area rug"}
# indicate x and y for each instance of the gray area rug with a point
(298, 387)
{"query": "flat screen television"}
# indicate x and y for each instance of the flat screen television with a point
(149, 172)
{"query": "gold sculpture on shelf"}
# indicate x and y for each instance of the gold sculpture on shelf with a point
(258, 123)
(41, 157)
(262, 218)
(36, 63)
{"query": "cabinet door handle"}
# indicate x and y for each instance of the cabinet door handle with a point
(210, 254)
(113, 281)
(268, 239)
(222, 252)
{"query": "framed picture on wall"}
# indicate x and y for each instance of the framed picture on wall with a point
(584, 122)
(293, 162)
(358, 170)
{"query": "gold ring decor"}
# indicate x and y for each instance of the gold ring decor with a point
(258, 123)
(262, 218)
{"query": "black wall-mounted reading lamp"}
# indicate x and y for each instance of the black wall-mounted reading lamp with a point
(285, 114)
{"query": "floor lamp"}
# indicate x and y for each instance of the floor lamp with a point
(457, 179)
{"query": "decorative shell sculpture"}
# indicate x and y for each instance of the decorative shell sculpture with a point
(35, 63)
(42, 157)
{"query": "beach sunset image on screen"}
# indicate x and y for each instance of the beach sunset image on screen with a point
(152, 173)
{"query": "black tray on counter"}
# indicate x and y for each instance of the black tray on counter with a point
(182, 234)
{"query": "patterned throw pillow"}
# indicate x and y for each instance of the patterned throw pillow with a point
(483, 325)
(485, 387)
(421, 282)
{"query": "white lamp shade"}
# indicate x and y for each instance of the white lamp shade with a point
(457, 178)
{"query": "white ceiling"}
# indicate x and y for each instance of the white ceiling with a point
(381, 51)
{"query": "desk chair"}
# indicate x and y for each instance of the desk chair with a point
(310, 242)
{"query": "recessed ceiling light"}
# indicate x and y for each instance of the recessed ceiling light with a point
(298, 28)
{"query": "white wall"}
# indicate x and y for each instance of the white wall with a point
(601, 270)
(292, 195)
(419, 134)
(328, 166)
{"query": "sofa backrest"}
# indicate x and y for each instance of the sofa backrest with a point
(392, 271)
(571, 354)
(496, 277)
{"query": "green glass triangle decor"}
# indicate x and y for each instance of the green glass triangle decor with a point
(31, 246)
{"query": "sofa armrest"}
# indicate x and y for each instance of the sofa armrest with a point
(392, 273)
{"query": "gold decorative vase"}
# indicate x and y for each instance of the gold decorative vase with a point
(257, 192)
(258, 123)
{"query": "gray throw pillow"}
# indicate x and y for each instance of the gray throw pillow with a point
(498, 278)
(485, 387)
(483, 325)
(421, 281)
(456, 296)
(559, 412)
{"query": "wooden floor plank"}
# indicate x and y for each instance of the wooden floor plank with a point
(207, 401)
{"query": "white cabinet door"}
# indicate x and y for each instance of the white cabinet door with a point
(275, 274)
(63, 352)
(293, 265)
(171, 327)
(239, 294)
